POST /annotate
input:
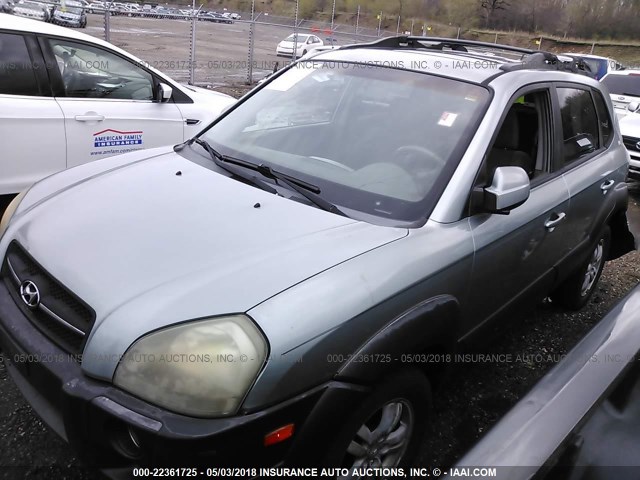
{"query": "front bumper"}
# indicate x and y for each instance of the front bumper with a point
(65, 22)
(112, 429)
(285, 52)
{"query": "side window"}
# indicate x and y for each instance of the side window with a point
(579, 123)
(606, 128)
(16, 71)
(91, 72)
(523, 140)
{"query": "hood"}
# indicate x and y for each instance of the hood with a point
(630, 125)
(206, 96)
(165, 240)
(206, 107)
(288, 44)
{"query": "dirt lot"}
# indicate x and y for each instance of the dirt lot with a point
(222, 50)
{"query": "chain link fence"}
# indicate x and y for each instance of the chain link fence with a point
(203, 48)
(198, 48)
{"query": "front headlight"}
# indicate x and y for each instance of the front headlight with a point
(202, 368)
(8, 213)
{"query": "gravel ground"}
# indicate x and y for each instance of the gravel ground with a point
(473, 398)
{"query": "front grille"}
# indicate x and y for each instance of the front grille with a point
(631, 143)
(59, 314)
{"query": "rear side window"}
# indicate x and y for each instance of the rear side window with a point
(16, 70)
(579, 123)
(606, 128)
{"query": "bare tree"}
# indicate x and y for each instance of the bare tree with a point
(491, 6)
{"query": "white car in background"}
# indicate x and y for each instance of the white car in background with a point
(32, 10)
(624, 89)
(630, 130)
(305, 43)
(96, 101)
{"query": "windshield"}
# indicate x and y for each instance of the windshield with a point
(375, 140)
(292, 38)
(623, 84)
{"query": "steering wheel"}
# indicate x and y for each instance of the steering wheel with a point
(417, 157)
(333, 162)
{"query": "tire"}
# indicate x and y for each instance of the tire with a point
(575, 291)
(397, 409)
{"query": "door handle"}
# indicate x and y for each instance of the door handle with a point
(606, 186)
(553, 222)
(94, 117)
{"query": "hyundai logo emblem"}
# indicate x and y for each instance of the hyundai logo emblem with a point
(620, 98)
(637, 145)
(30, 294)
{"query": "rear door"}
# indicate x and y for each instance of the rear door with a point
(31, 122)
(108, 102)
(590, 168)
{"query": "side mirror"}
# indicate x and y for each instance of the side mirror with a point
(509, 189)
(633, 106)
(164, 93)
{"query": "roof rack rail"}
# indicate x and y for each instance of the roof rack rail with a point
(530, 59)
(435, 43)
(541, 60)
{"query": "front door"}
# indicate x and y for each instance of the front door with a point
(108, 103)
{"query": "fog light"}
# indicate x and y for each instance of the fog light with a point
(134, 437)
(279, 435)
(126, 441)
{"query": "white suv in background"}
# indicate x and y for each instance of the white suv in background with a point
(630, 129)
(80, 99)
(624, 89)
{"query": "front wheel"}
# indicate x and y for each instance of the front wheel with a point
(576, 290)
(386, 430)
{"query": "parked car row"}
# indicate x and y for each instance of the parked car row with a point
(70, 14)
(73, 12)
(159, 11)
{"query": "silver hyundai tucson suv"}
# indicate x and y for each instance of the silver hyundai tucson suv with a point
(274, 291)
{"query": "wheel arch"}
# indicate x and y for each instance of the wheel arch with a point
(622, 239)
(430, 326)
(415, 338)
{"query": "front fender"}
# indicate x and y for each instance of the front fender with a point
(428, 326)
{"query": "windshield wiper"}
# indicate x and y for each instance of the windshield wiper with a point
(222, 162)
(307, 190)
